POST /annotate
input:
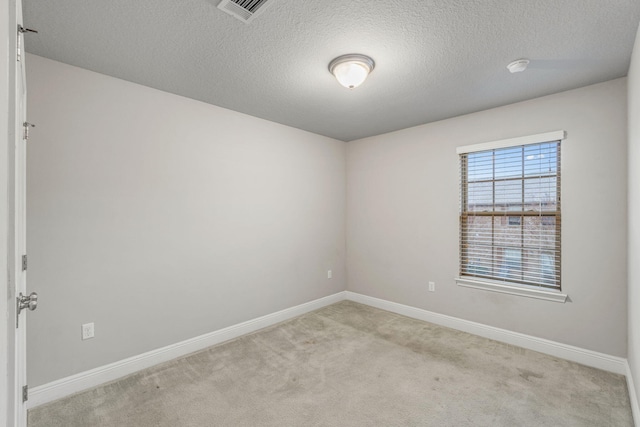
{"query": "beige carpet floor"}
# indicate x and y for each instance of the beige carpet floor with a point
(353, 365)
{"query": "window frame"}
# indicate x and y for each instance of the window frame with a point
(493, 282)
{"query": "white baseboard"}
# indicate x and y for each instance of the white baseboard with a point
(92, 378)
(633, 396)
(84, 380)
(556, 349)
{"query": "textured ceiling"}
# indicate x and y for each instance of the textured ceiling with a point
(435, 59)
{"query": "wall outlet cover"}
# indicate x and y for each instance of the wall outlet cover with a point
(88, 331)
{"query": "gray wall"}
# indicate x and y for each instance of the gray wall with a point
(161, 218)
(402, 217)
(634, 214)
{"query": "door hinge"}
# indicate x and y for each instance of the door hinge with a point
(25, 393)
(24, 263)
(22, 30)
(26, 126)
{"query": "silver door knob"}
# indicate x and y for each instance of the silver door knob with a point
(27, 301)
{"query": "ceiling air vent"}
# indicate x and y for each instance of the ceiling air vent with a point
(244, 10)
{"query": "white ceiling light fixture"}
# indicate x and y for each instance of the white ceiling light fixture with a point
(351, 70)
(518, 66)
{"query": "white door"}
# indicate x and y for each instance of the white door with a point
(24, 302)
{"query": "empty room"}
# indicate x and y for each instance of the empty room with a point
(320, 213)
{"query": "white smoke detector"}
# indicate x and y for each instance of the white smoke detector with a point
(518, 66)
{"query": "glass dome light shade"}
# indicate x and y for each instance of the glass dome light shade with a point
(351, 70)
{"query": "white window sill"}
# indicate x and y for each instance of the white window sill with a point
(506, 288)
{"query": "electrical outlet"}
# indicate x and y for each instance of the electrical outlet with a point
(432, 286)
(329, 274)
(87, 331)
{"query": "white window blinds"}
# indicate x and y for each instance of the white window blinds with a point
(510, 211)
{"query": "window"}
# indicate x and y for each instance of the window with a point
(514, 220)
(510, 212)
